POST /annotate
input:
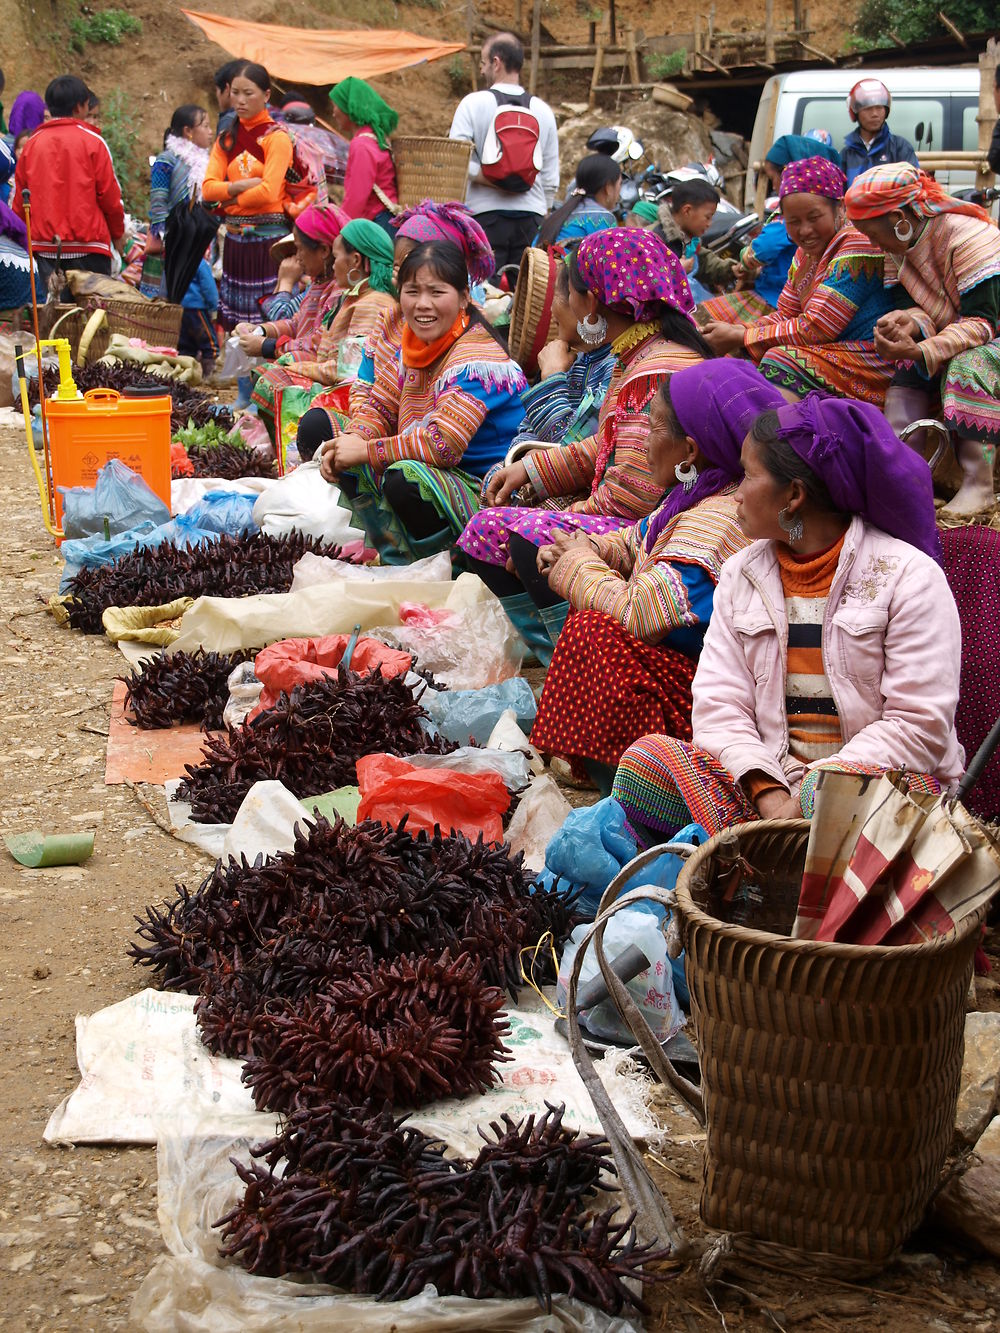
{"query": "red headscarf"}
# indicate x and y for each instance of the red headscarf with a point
(322, 222)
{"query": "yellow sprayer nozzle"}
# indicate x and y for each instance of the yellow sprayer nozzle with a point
(67, 390)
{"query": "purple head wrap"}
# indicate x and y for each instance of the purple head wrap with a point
(813, 175)
(866, 468)
(715, 403)
(627, 266)
(27, 113)
(429, 221)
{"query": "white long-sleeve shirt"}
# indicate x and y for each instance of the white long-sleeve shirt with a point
(472, 120)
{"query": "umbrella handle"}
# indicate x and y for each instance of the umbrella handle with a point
(979, 761)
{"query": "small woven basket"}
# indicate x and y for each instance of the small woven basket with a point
(531, 313)
(157, 323)
(830, 1072)
(429, 168)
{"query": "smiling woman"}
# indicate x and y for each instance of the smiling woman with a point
(822, 334)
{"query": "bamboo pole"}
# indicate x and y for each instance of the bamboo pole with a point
(987, 115)
(769, 32)
(536, 36)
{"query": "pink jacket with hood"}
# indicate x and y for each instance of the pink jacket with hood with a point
(891, 649)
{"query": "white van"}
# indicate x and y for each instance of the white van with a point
(935, 108)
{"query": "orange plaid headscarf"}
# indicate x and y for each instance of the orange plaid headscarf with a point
(900, 185)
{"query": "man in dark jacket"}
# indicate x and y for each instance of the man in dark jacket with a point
(872, 144)
(76, 201)
(993, 153)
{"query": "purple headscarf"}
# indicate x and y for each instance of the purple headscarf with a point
(715, 403)
(813, 175)
(429, 221)
(627, 266)
(866, 468)
(27, 113)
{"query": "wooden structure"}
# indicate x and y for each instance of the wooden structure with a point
(722, 51)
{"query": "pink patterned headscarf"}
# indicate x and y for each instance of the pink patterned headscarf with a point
(813, 175)
(322, 222)
(627, 266)
(430, 221)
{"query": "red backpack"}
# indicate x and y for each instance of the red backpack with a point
(512, 155)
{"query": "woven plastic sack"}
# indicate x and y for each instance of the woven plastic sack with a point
(119, 498)
(469, 803)
(292, 662)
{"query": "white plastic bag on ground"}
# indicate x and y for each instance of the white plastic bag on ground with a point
(313, 569)
(541, 812)
(652, 989)
(507, 735)
(265, 822)
(513, 768)
(304, 502)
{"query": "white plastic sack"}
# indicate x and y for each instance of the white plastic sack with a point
(226, 624)
(265, 822)
(507, 735)
(314, 569)
(513, 768)
(478, 646)
(304, 502)
(195, 1290)
(652, 989)
(187, 491)
(541, 812)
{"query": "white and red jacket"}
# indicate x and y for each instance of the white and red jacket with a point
(75, 194)
(892, 650)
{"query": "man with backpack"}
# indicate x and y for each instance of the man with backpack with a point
(514, 169)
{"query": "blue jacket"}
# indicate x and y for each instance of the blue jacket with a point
(203, 294)
(885, 147)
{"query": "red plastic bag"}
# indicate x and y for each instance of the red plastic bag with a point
(180, 464)
(290, 662)
(469, 803)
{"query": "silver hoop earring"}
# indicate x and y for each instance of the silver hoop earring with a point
(352, 277)
(904, 237)
(792, 527)
(686, 474)
(593, 332)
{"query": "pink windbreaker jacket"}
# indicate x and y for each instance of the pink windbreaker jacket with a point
(891, 649)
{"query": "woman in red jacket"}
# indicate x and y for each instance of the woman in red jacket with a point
(246, 178)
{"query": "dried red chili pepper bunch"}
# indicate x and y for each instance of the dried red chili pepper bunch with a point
(341, 899)
(226, 567)
(311, 740)
(188, 406)
(181, 687)
(370, 1204)
(230, 460)
(407, 1031)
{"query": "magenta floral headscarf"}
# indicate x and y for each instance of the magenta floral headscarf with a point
(430, 221)
(626, 266)
(813, 175)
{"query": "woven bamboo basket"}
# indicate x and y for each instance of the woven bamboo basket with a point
(428, 168)
(830, 1072)
(157, 323)
(70, 323)
(531, 324)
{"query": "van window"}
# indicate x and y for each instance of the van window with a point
(970, 130)
(907, 113)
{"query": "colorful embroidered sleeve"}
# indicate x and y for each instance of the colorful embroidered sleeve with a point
(976, 326)
(618, 550)
(364, 319)
(564, 471)
(160, 175)
(442, 435)
(824, 318)
(301, 334)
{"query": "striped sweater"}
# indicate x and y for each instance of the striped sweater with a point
(813, 725)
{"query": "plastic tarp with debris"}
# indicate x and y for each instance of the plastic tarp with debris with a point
(321, 56)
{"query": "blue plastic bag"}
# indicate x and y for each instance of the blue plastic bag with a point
(459, 714)
(90, 552)
(119, 498)
(229, 512)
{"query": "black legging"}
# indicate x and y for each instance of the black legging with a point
(524, 555)
(417, 515)
(315, 428)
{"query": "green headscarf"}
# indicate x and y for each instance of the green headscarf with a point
(646, 209)
(370, 240)
(361, 102)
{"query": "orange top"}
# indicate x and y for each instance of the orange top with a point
(813, 725)
(275, 148)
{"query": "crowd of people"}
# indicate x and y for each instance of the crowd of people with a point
(699, 515)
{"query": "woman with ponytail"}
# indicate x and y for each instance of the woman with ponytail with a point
(588, 206)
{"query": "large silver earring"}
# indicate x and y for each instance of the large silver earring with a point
(904, 237)
(792, 527)
(593, 332)
(686, 474)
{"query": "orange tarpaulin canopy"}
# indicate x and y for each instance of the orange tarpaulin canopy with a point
(321, 55)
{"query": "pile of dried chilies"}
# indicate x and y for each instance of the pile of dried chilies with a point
(311, 740)
(226, 567)
(188, 406)
(212, 452)
(367, 1203)
(181, 687)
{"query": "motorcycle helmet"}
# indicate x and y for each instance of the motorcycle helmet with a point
(868, 92)
(298, 113)
(617, 142)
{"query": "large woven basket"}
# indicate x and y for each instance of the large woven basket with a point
(429, 168)
(531, 324)
(830, 1072)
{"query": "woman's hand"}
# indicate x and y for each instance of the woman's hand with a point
(896, 341)
(723, 338)
(563, 541)
(252, 343)
(236, 188)
(555, 358)
(778, 804)
(547, 557)
(341, 454)
(289, 273)
(897, 324)
(504, 482)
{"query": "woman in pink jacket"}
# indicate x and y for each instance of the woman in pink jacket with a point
(834, 640)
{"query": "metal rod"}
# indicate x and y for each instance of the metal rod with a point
(26, 202)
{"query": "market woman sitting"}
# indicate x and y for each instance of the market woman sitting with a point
(443, 408)
(629, 292)
(625, 660)
(823, 333)
(945, 253)
(834, 640)
(330, 353)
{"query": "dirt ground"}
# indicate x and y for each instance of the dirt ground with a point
(78, 1228)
